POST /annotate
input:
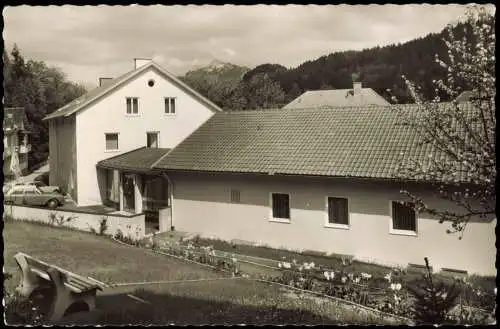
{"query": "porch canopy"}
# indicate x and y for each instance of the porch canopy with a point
(137, 161)
(130, 182)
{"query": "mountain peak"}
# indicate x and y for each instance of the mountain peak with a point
(217, 65)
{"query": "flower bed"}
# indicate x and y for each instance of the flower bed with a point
(394, 293)
(457, 300)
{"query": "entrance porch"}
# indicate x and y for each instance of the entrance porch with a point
(128, 185)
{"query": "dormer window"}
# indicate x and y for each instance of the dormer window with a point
(169, 105)
(132, 105)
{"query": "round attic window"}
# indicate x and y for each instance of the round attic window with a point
(151, 83)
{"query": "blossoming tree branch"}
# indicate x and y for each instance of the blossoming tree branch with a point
(458, 138)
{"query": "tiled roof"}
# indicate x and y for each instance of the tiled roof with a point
(363, 142)
(336, 97)
(94, 94)
(136, 160)
(14, 118)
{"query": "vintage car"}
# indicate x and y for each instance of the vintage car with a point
(44, 187)
(30, 194)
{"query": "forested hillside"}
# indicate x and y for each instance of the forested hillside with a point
(40, 90)
(380, 68)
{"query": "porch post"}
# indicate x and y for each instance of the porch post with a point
(138, 194)
(121, 192)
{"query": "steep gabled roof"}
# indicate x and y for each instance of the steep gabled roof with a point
(362, 142)
(84, 100)
(336, 97)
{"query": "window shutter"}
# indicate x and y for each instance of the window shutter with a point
(338, 211)
(172, 105)
(136, 105)
(129, 106)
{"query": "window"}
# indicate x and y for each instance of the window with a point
(111, 142)
(31, 190)
(280, 206)
(132, 105)
(235, 196)
(404, 219)
(169, 105)
(113, 185)
(338, 212)
(151, 83)
(152, 139)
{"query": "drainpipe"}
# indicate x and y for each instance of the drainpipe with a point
(171, 201)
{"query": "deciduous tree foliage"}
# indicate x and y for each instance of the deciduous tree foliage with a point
(40, 90)
(462, 137)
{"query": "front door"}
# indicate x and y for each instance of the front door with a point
(128, 193)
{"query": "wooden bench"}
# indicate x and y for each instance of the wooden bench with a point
(70, 289)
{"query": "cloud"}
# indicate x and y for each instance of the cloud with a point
(229, 51)
(92, 41)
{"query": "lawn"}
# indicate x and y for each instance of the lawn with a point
(91, 255)
(210, 302)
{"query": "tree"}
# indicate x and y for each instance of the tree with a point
(40, 90)
(461, 135)
(263, 92)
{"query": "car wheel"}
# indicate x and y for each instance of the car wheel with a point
(52, 203)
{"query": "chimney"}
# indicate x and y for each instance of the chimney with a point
(138, 62)
(356, 88)
(104, 81)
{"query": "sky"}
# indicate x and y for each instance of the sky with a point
(88, 42)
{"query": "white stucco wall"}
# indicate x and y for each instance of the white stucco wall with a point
(62, 155)
(202, 205)
(108, 115)
(132, 226)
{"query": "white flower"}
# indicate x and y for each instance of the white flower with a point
(344, 279)
(279, 265)
(393, 286)
(301, 268)
(294, 261)
(312, 264)
(332, 275)
(443, 296)
(356, 280)
(398, 286)
(287, 265)
(350, 275)
(366, 276)
(233, 259)
(327, 275)
(388, 277)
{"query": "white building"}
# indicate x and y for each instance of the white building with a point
(147, 108)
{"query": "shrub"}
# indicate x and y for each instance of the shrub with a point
(103, 225)
(22, 311)
(118, 235)
(433, 300)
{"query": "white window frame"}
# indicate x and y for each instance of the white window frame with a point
(280, 220)
(157, 138)
(169, 113)
(336, 225)
(112, 150)
(401, 232)
(132, 114)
